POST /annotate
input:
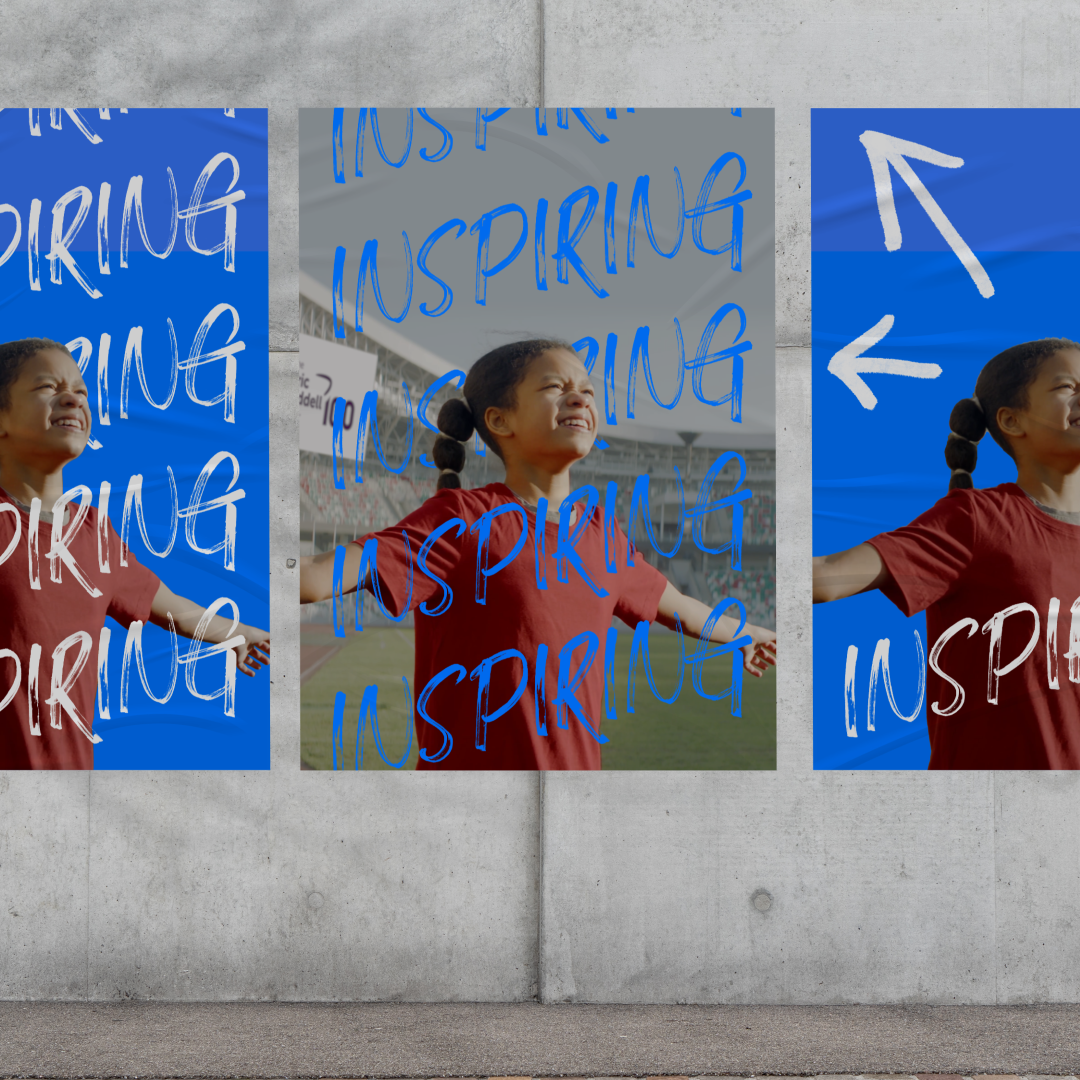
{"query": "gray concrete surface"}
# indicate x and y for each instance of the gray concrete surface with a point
(937, 889)
(530, 1040)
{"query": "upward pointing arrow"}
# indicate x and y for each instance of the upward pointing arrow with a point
(885, 150)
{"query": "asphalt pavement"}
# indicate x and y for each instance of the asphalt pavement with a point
(157, 1039)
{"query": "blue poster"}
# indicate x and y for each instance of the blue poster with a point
(133, 439)
(946, 381)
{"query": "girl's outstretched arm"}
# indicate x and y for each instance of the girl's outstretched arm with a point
(251, 653)
(317, 574)
(757, 657)
(845, 573)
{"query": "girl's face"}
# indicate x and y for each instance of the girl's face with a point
(47, 422)
(555, 419)
(1049, 427)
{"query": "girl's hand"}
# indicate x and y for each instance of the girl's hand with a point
(759, 656)
(254, 652)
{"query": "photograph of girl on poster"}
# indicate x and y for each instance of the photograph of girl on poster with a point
(987, 564)
(54, 619)
(534, 405)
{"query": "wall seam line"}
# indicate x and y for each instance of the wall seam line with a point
(541, 781)
(89, 802)
(994, 864)
(540, 11)
(540, 906)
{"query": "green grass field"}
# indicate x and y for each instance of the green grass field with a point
(690, 734)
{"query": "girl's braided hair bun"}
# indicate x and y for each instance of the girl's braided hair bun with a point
(492, 382)
(967, 425)
(455, 422)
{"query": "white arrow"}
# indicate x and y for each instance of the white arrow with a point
(886, 150)
(849, 364)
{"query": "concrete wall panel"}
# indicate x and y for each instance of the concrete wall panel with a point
(284, 580)
(1037, 889)
(181, 904)
(794, 690)
(44, 843)
(234, 886)
(392, 887)
(753, 887)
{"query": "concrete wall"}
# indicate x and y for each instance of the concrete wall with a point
(620, 887)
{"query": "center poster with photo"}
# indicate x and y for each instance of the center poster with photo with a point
(946, 439)
(537, 439)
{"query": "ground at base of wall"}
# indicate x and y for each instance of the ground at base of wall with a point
(157, 1040)
(808, 1076)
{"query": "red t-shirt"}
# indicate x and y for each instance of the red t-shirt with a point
(973, 556)
(517, 615)
(34, 734)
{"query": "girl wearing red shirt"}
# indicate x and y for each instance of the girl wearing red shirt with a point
(997, 572)
(525, 621)
(52, 616)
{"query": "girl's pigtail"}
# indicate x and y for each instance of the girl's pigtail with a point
(456, 424)
(967, 425)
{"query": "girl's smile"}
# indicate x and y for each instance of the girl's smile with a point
(582, 422)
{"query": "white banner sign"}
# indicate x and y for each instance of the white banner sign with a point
(328, 371)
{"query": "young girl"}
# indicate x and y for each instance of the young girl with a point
(533, 404)
(55, 594)
(996, 572)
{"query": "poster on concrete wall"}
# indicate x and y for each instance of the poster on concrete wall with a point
(133, 439)
(946, 439)
(558, 497)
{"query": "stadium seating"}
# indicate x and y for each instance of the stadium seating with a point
(358, 507)
(755, 587)
(759, 523)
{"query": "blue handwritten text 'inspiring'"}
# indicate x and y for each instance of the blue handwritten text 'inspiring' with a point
(573, 662)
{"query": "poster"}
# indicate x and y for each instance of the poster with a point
(643, 240)
(134, 450)
(945, 261)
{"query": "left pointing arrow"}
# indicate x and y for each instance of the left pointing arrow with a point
(849, 364)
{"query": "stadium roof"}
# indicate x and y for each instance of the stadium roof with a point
(379, 331)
